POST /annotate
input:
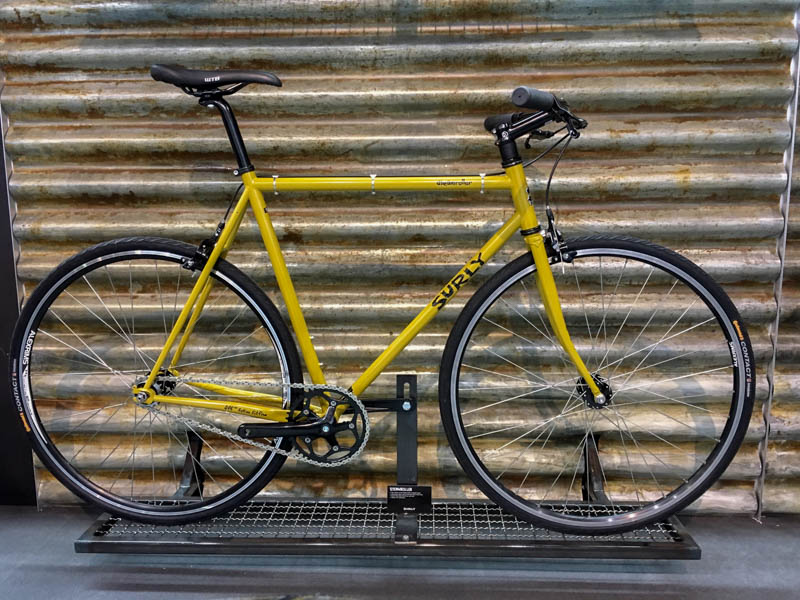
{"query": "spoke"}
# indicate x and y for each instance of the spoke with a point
(639, 370)
(120, 439)
(161, 300)
(606, 309)
(213, 360)
(221, 333)
(532, 383)
(558, 347)
(578, 448)
(603, 307)
(564, 410)
(523, 395)
(650, 320)
(523, 369)
(625, 320)
(124, 465)
(647, 385)
(81, 340)
(678, 400)
(133, 314)
(205, 441)
(99, 362)
(644, 459)
(649, 346)
(95, 372)
(540, 425)
(583, 306)
(121, 331)
(628, 459)
(534, 327)
(132, 342)
(646, 356)
(82, 412)
(103, 371)
(152, 455)
(658, 437)
(549, 432)
(670, 468)
(133, 453)
(64, 436)
(119, 302)
(185, 449)
(579, 459)
(687, 426)
(222, 354)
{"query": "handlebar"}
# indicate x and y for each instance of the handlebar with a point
(526, 97)
(549, 109)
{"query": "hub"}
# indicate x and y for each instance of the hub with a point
(592, 401)
(163, 385)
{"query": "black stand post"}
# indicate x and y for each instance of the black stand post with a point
(407, 524)
(406, 499)
(592, 482)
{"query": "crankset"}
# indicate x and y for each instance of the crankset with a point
(336, 436)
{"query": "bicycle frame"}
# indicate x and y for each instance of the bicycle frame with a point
(272, 407)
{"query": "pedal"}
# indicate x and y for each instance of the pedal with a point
(264, 430)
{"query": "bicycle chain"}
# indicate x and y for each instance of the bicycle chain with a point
(268, 447)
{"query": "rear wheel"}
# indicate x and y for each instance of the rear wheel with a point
(659, 336)
(92, 330)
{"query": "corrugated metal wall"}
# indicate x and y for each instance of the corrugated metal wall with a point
(687, 109)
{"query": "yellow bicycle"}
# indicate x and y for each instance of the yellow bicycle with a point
(142, 358)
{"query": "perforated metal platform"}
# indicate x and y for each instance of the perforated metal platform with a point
(368, 527)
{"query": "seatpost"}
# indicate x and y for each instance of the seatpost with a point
(232, 128)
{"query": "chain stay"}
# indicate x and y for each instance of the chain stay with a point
(294, 453)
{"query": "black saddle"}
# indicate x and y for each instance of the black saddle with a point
(199, 80)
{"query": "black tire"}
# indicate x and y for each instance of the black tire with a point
(50, 391)
(695, 432)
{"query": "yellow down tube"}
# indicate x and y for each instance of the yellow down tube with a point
(440, 300)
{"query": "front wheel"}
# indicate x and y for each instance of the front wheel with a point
(661, 339)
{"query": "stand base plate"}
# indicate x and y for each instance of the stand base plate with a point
(367, 527)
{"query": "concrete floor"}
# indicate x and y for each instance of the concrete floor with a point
(741, 559)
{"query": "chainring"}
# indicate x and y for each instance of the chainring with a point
(343, 437)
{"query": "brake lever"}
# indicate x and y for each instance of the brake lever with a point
(538, 134)
(573, 123)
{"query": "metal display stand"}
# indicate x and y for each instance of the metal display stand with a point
(369, 527)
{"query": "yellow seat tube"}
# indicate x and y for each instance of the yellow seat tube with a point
(284, 280)
(544, 274)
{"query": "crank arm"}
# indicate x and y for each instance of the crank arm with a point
(262, 430)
